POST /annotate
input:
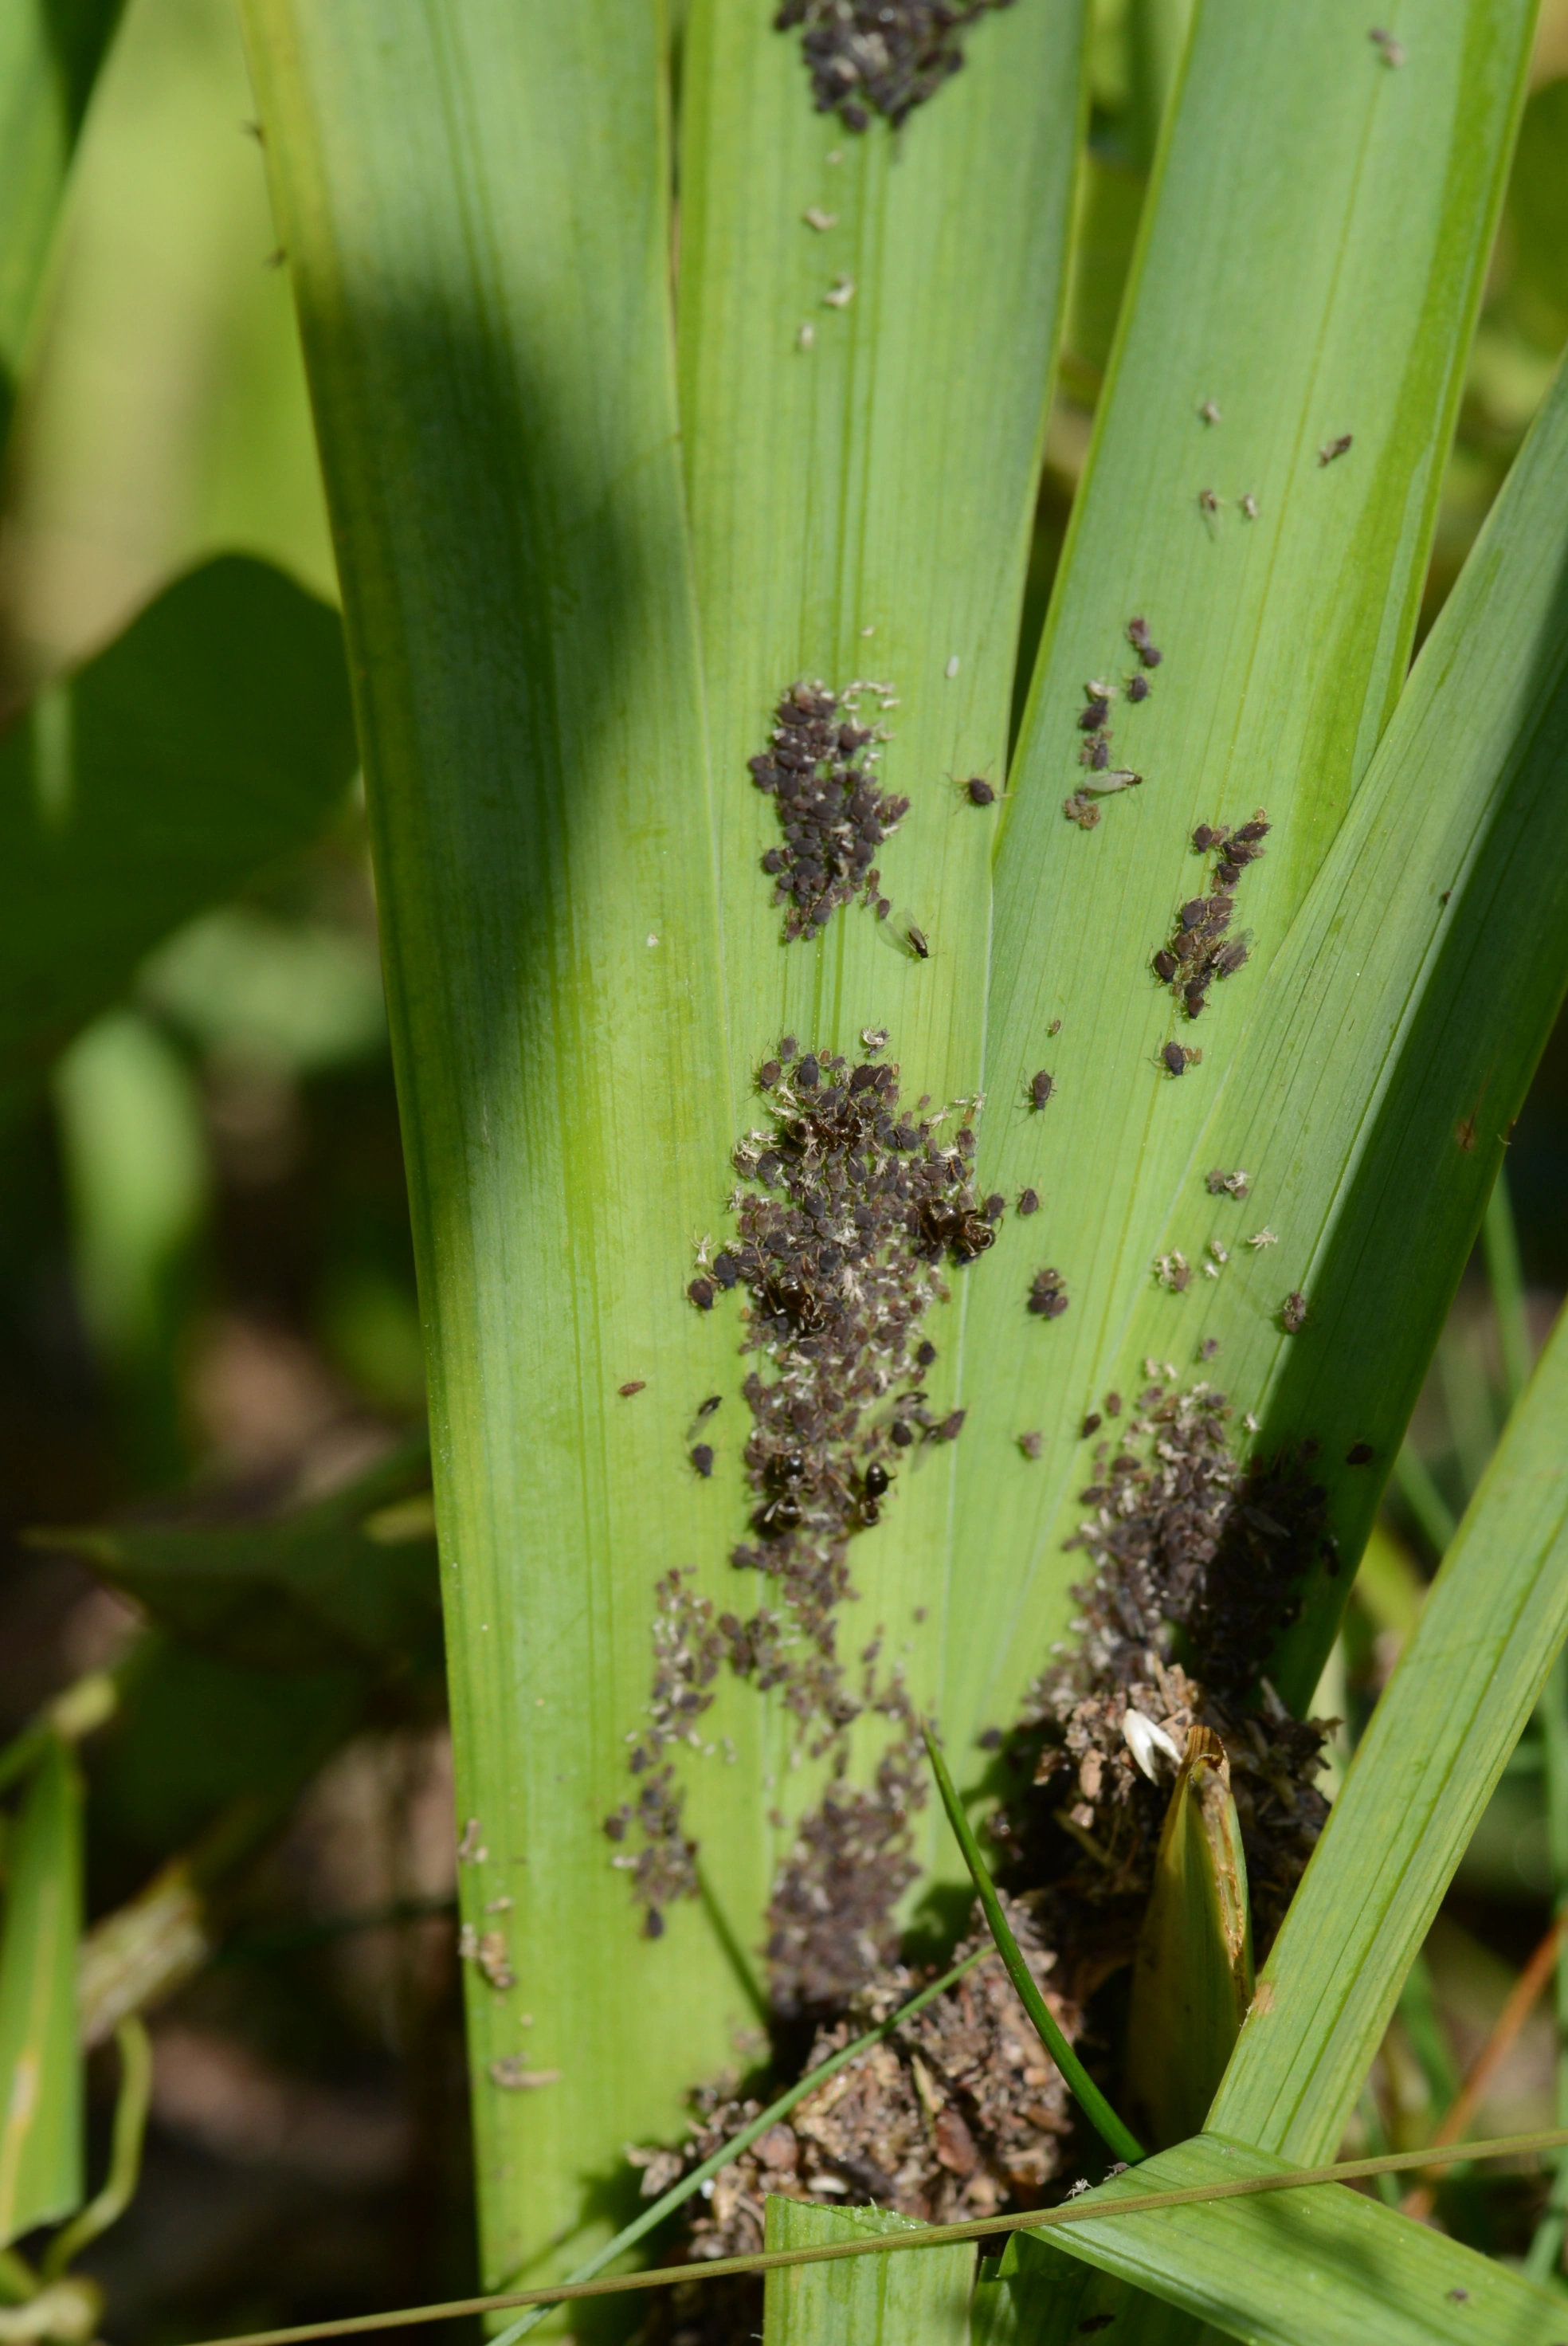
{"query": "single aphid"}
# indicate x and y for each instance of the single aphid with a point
(805, 335)
(840, 293)
(1208, 502)
(1054, 1028)
(1263, 1237)
(1248, 504)
(1041, 1088)
(820, 220)
(1293, 1312)
(1142, 644)
(702, 1292)
(786, 1048)
(1137, 688)
(702, 1459)
(1091, 1424)
(1029, 1201)
(1390, 50)
(707, 1408)
(637, 1385)
(1360, 1453)
(874, 1038)
(1030, 1444)
(981, 793)
(1209, 412)
(877, 1480)
(768, 1075)
(1333, 448)
(1176, 1058)
(919, 944)
(994, 1207)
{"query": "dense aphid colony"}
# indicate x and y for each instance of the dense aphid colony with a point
(855, 1207)
(818, 768)
(1198, 1566)
(1201, 947)
(885, 57)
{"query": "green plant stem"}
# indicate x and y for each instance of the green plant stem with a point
(1499, 1241)
(668, 2201)
(1080, 2084)
(1089, 2208)
(1546, 2247)
(135, 2047)
(1412, 1480)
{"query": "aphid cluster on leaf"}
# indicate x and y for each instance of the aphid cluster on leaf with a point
(1187, 1543)
(883, 56)
(853, 1207)
(1200, 948)
(818, 769)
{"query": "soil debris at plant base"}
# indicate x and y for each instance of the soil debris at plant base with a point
(882, 57)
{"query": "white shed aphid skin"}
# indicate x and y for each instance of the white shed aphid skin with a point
(1143, 1737)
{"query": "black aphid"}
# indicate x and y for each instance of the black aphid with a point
(1137, 688)
(1293, 1312)
(707, 1408)
(981, 793)
(703, 1293)
(919, 944)
(1030, 1444)
(1048, 1294)
(1148, 650)
(819, 768)
(1041, 1088)
(1175, 1058)
(1333, 448)
(1029, 1201)
(1360, 1453)
(702, 1459)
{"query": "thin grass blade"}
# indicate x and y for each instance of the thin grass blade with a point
(1437, 1743)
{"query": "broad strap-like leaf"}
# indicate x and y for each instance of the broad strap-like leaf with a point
(1438, 1741)
(864, 2300)
(40, 2058)
(208, 742)
(861, 477)
(1325, 2266)
(475, 203)
(1373, 1091)
(1311, 258)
